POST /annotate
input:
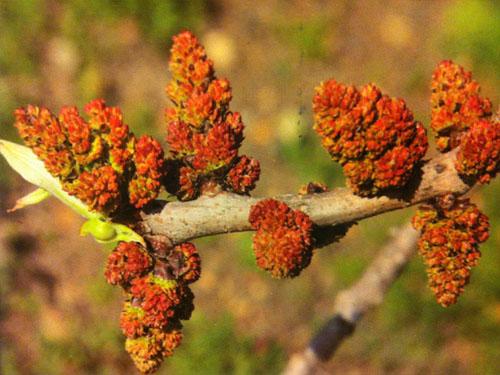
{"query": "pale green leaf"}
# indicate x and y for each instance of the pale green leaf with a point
(32, 198)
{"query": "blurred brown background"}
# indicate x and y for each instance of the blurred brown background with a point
(57, 314)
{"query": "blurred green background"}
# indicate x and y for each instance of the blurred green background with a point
(57, 314)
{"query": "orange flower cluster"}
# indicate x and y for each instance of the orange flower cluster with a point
(456, 104)
(451, 233)
(283, 242)
(479, 154)
(203, 134)
(158, 298)
(374, 137)
(99, 160)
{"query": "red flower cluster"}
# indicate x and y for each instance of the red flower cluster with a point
(451, 233)
(99, 161)
(283, 242)
(375, 138)
(456, 104)
(128, 261)
(158, 298)
(203, 134)
(479, 153)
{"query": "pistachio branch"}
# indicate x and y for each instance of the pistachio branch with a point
(351, 304)
(226, 212)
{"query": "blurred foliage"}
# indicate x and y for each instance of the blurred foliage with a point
(213, 347)
(117, 50)
(158, 20)
(471, 27)
(308, 36)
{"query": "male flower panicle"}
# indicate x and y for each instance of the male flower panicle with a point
(283, 241)
(97, 160)
(478, 156)
(374, 137)
(152, 314)
(128, 261)
(456, 104)
(203, 134)
(158, 298)
(451, 231)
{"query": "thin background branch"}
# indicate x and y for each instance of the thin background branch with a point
(352, 304)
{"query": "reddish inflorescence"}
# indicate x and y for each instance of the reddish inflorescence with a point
(99, 160)
(152, 314)
(456, 104)
(283, 242)
(451, 233)
(374, 137)
(158, 296)
(203, 134)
